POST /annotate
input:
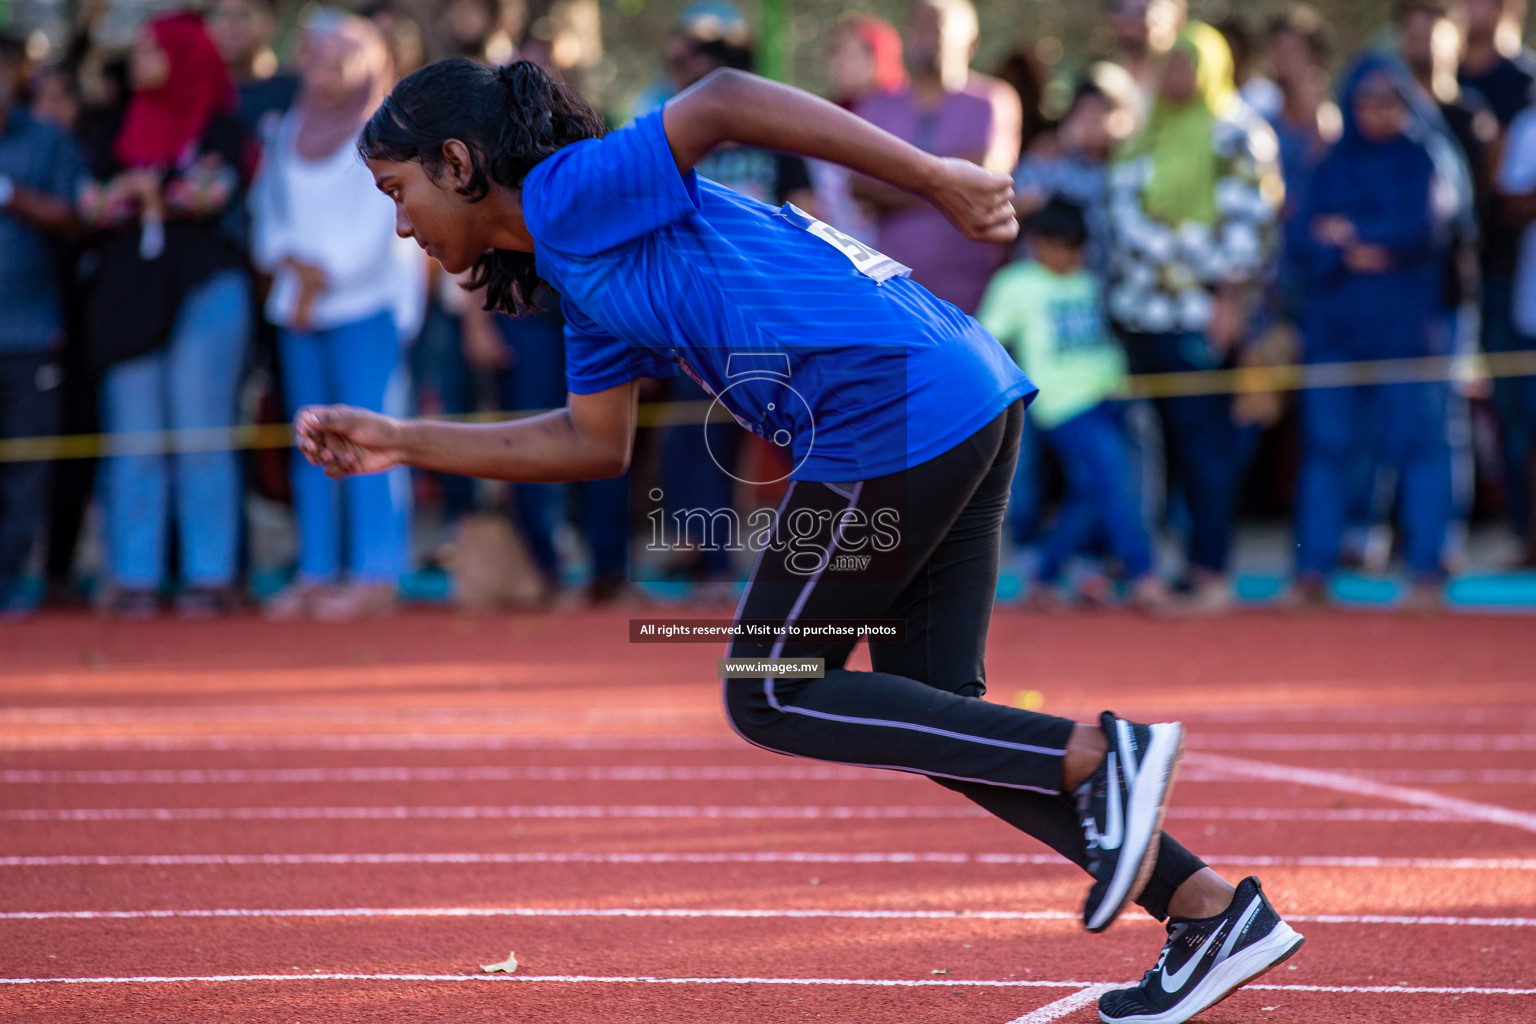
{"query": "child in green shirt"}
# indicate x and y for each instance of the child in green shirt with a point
(1048, 312)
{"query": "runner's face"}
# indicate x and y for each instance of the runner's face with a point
(440, 220)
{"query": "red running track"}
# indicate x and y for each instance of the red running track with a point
(253, 822)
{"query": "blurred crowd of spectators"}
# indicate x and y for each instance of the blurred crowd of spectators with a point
(189, 242)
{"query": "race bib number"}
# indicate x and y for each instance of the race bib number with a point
(872, 263)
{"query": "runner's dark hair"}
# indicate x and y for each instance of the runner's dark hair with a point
(510, 118)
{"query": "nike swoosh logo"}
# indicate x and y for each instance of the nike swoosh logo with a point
(1175, 982)
(1181, 977)
(1110, 839)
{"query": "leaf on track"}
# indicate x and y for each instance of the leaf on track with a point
(507, 966)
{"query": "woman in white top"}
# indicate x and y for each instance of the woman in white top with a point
(345, 291)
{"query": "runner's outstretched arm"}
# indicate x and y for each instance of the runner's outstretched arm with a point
(590, 439)
(732, 106)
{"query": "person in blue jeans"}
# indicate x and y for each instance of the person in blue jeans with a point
(1371, 238)
(339, 274)
(1048, 311)
(39, 166)
(169, 321)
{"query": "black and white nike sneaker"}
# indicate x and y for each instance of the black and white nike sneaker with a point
(1121, 808)
(1205, 961)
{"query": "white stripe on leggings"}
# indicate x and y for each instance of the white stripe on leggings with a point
(778, 647)
(810, 585)
(741, 608)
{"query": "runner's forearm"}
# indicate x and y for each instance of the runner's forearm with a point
(884, 198)
(540, 449)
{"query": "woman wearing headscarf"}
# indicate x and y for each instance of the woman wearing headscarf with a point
(327, 237)
(169, 319)
(1371, 238)
(1193, 203)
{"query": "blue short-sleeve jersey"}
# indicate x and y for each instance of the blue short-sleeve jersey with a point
(802, 333)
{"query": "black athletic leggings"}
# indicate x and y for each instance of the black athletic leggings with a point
(921, 709)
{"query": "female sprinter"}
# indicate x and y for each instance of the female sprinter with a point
(901, 413)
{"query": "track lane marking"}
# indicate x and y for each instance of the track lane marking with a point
(1424, 776)
(664, 811)
(774, 857)
(1381, 815)
(705, 913)
(1065, 1005)
(553, 912)
(281, 710)
(1466, 742)
(1266, 740)
(1345, 783)
(654, 980)
(634, 773)
(476, 773)
(372, 741)
(1413, 742)
(1502, 715)
(105, 714)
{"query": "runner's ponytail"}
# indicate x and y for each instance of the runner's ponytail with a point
(509, 118)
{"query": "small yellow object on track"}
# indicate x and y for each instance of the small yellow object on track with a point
(507, 966)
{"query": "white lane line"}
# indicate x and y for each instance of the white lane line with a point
(810, 813)
(280, 711)
(463, 741)
(1065, 1005)
(1419, 920)
(418, 717)
(1422, 776)
(371, 741)
(709, 913)
(1345, 783)
(1434, 990)
(575, 857)
(1469, 742)
(774, 857)
(1501, 715)
(407, 716)
(1386, 815)
(1351, 814)
(472, 773)
(631, 773)
(555, 978)
(554, 912)
(653, 980)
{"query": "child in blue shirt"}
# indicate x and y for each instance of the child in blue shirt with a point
(900, 414)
